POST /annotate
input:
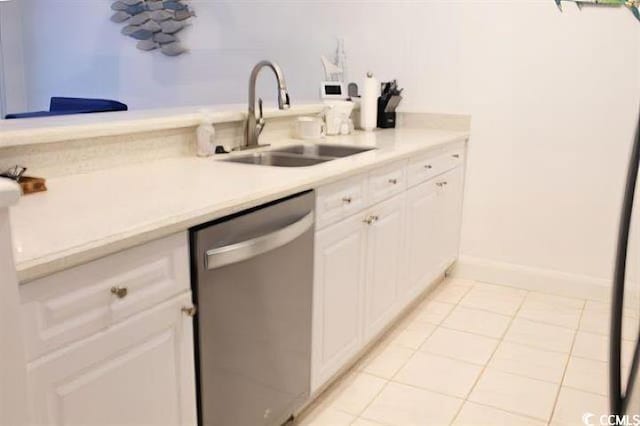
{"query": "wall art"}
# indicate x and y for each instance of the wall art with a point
(155, 24)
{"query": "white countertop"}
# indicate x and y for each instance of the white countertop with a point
(84, 217)
(9, 193)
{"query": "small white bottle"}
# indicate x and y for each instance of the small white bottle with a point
(206, 135)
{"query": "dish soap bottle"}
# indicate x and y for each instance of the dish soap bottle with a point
(206, 134)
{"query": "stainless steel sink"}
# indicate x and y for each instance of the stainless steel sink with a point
(271, 158)
(324, 150)
(299, 155)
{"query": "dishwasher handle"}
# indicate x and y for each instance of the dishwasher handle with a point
(234, 253)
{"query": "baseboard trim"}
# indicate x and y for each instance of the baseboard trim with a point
(534, 279)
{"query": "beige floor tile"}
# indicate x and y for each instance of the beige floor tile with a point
(413, 336)
(574, 404)
(587, 375)
(476, 321)
(439, 374)
(554, 310)
(355, 392)
(605, 307)
(327, 417)
(460, 345)
(591, 346)
(542, 336)
(599, 323)
(595, 322)
(450, 291)
(516, 394)
(388, 361)
(431, 312)
(596, 347)
(404, 405)
(530, 362)
(501, 300)
(479, 415)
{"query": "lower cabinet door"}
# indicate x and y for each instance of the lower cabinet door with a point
(337, 305)
(451, 215)
(424, 239)
(384, 249)
(140, 372)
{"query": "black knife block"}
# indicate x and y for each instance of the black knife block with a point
(386, 120)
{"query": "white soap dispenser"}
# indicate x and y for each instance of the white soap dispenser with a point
(206, 135)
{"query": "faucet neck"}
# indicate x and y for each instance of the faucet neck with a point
(254, 126)
(283, 95)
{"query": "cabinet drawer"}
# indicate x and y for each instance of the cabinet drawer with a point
(432, 165)
(78, 302)
(454, 158)
(387, 182)
(340, 200)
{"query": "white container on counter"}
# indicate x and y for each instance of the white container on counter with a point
(369, 103)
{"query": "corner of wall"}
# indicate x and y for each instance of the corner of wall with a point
(534, 279)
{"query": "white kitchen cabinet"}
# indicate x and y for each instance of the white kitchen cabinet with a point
(139, 372)
(424, 239)
(432, 231)
(452, 192)
(382, 253)
(339, 282)
(384, 245)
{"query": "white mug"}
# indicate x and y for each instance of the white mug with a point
(310, 128)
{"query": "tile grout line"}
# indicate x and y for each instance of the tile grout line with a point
(566, 366)
(413, 354)
(403, 326)
(486, 365)
(386, 346)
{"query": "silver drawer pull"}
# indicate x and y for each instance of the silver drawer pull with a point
(428, 166)
(441, 184)
(456, 155)
(234, 253)
(347, 200)
(190, 311)
(119, 292)
(393, 181)
(370, 220)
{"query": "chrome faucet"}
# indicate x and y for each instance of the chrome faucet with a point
(255, 125)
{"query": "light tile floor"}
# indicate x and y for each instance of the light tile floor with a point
(478, 354)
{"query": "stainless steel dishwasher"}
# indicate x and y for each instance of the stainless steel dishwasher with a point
(253, 285)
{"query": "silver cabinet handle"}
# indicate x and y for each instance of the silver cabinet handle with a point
(234, 253)
(190, 311)
(120, 292)
(456, 155)
(347, 200)
(370, 220)
(441, 184)
(393, 181)
(428, 166)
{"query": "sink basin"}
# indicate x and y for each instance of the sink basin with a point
(323, 150)
(299, 155)
(273, 158)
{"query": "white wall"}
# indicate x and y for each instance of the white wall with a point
(12, 79)
(554, 97)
